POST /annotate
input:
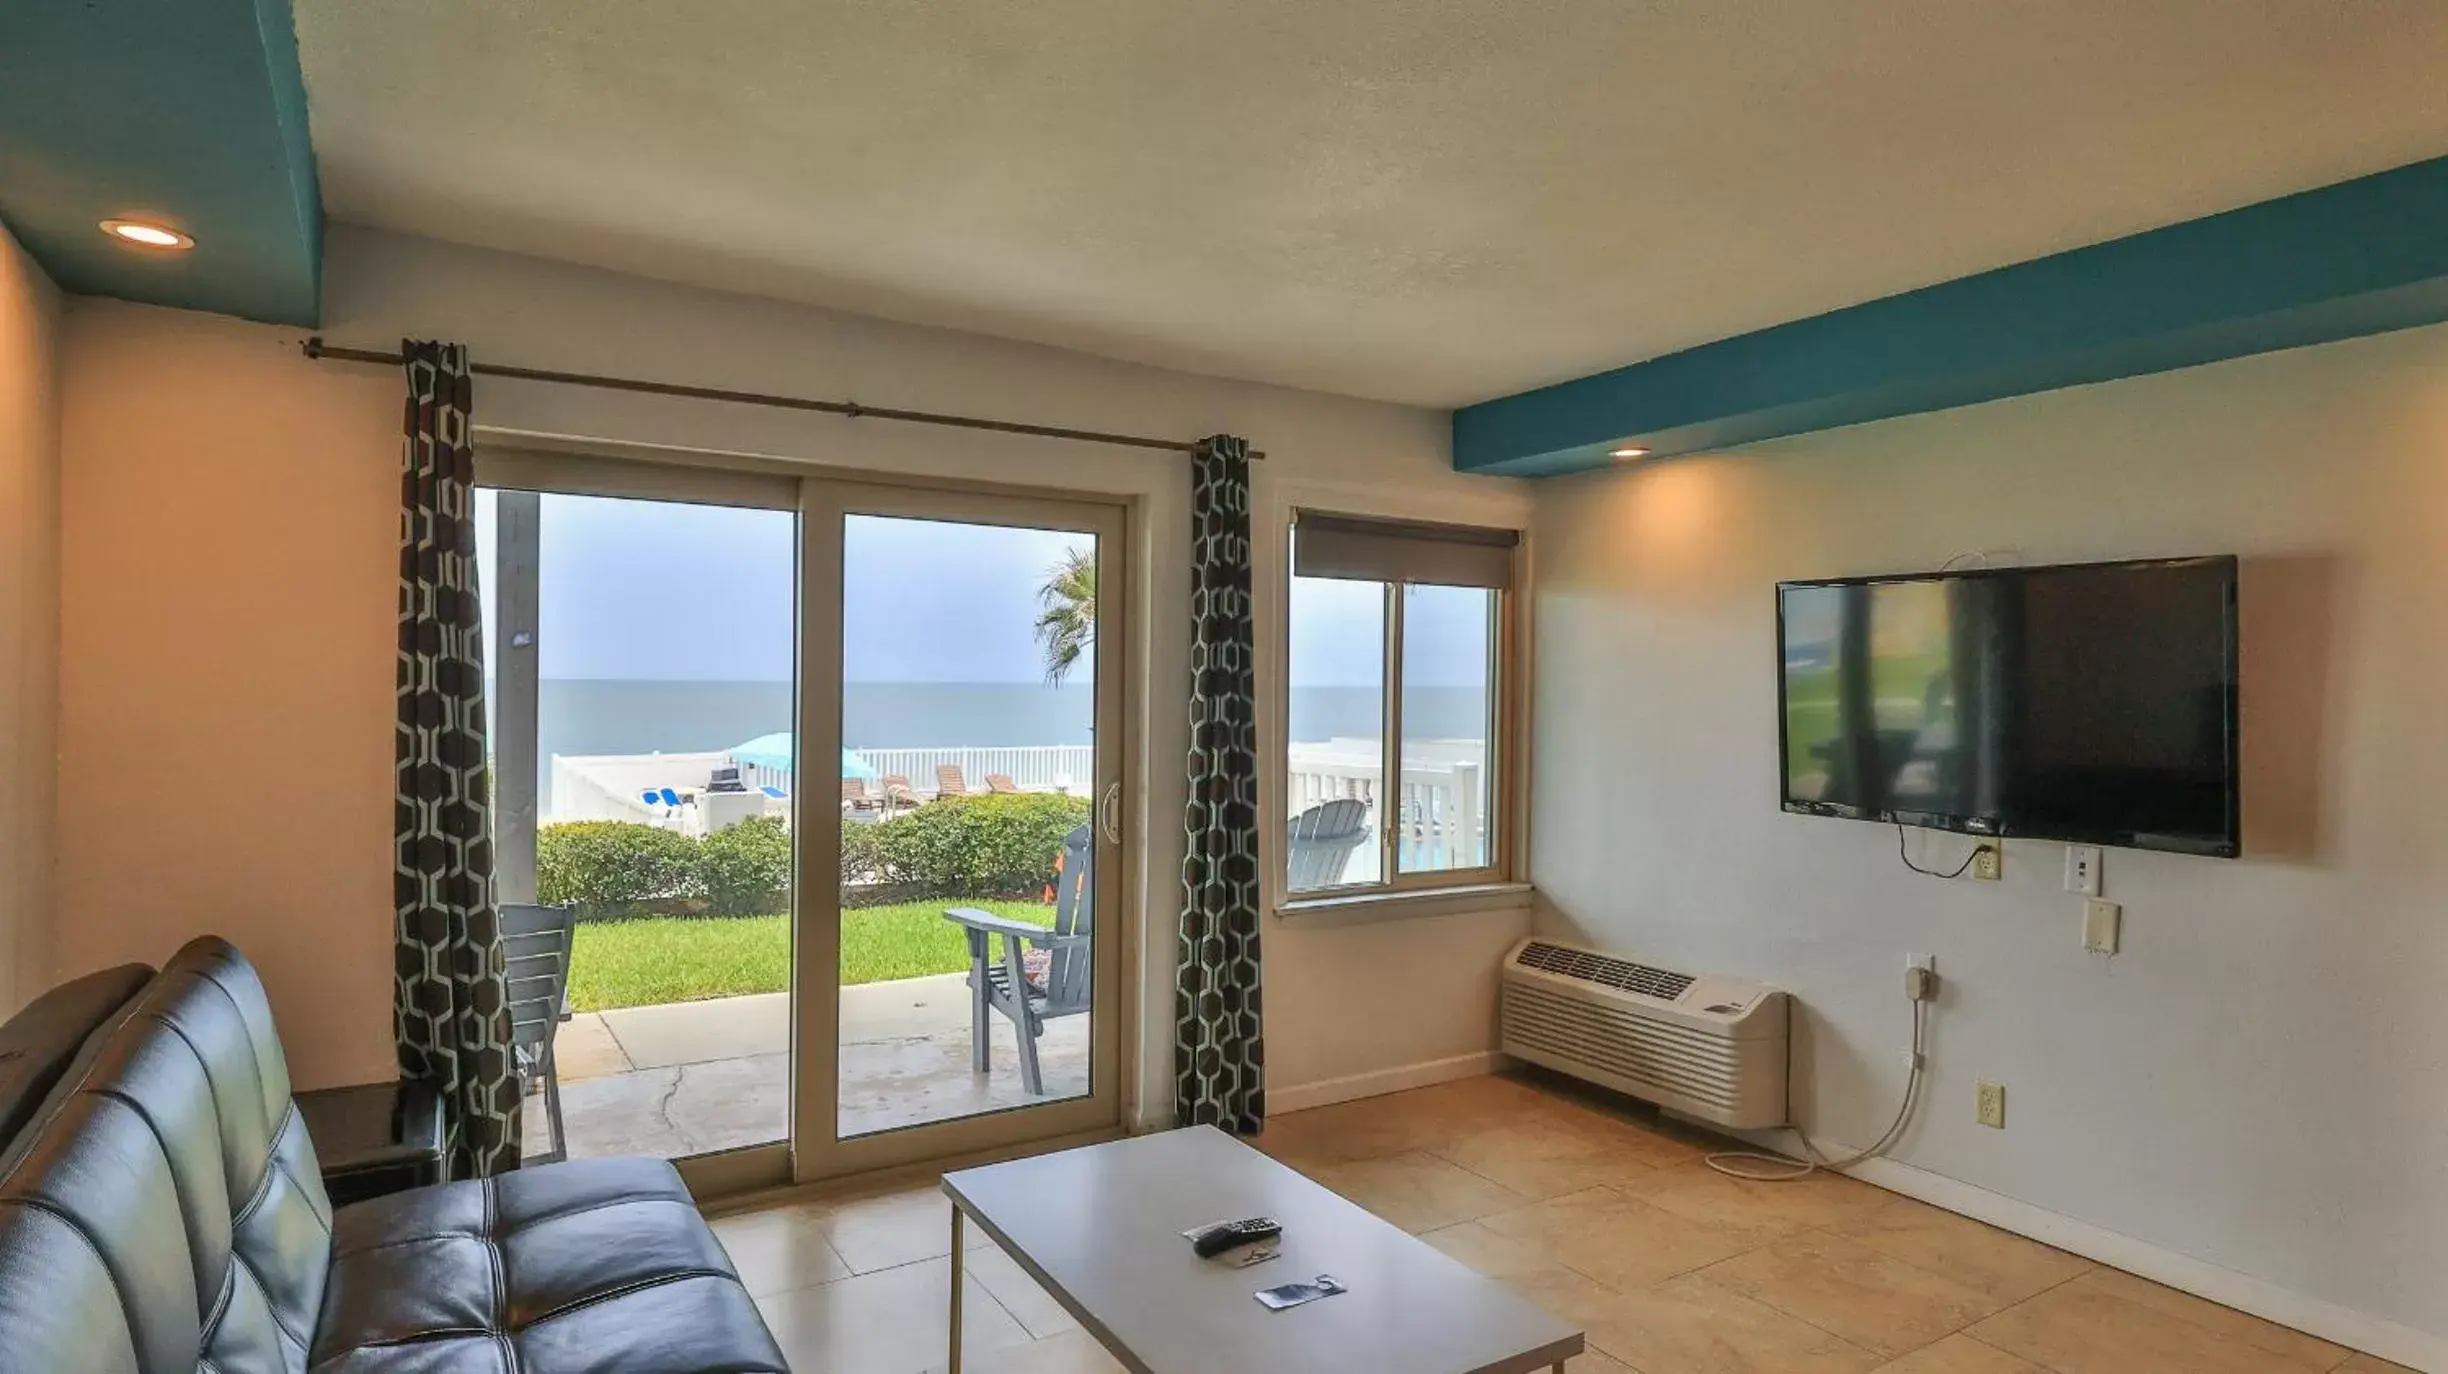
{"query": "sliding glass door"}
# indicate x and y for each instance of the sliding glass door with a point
(830, 776)
(962, 922)
(643, 662)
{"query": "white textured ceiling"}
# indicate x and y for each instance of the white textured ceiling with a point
(1424, 202)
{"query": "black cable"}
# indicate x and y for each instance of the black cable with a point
(1960, 868)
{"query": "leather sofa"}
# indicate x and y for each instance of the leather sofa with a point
(161, 1210)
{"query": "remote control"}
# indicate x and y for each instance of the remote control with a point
(1217, 1239)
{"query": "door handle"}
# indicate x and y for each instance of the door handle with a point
(1109, 813)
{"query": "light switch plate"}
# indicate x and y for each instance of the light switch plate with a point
(2103, 924)
(2083, 869)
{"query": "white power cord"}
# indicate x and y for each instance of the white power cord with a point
(1748, 1164)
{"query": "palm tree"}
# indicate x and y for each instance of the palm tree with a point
(1067, 626)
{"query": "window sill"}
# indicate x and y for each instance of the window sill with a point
(1366, 908)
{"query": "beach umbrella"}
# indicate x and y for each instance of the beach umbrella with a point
(775, 751)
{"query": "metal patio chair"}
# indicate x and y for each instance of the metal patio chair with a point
(536, 941)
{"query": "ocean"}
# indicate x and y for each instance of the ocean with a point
(606, 716)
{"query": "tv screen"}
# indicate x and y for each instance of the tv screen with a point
(2091, 702)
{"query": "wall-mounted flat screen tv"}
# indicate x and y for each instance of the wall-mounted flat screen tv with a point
(2091, 702)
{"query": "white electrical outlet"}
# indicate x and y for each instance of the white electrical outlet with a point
(2083, 869)
(1989, 861)
(2103, 926)
(1989, 1108)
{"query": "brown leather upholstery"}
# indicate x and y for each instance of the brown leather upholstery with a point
(164, 1213)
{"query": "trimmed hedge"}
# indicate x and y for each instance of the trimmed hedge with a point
(741, 871)
(989, 846)
(613, 868)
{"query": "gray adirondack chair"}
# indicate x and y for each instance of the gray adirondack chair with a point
(1323, 838)
(1029, 990)
(536, 943)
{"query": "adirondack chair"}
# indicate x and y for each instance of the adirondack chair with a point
(1047, 981)
(1323, 838)
(536, 941)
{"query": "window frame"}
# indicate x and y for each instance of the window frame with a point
(1498, 883)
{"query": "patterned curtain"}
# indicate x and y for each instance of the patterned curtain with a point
(1219, 1058)
(450, 1005)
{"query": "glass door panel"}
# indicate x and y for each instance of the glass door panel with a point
(642, 656)
(969, 953)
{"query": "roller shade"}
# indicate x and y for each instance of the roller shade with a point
(1369, 550)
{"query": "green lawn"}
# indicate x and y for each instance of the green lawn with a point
(682, 959)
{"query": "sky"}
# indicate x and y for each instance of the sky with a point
(655, 590)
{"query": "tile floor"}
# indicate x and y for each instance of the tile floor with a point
(1599, 1213)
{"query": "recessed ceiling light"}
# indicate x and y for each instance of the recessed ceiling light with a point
(147, 234)
(1629, 451)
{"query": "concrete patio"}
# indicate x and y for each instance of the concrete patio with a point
(693, 1077)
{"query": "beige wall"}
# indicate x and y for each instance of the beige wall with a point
(29, 617)
(228, 544)
(2257, 1081)
(229, 533)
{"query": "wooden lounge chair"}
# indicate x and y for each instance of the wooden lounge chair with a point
(1322, 840)
(1001, 782)
(898, 794)
(536, 943)
(949, 782)
(856, 798)
(1048, 980)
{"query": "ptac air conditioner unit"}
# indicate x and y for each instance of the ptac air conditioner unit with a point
(1706, 1047)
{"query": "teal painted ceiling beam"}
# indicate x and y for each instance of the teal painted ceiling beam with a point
(191, 112)
(2356, 258)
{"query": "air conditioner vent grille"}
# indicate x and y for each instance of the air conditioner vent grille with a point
(1605, 970)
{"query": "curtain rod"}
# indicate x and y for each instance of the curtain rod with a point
(315, 348)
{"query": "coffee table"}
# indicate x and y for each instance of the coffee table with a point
(1100, 1228)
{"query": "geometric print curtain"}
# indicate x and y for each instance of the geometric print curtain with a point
(1219, 1056)
(450, 1002)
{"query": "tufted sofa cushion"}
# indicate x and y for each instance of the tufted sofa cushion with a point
(174, 1189)
(163, 1214)
(42, 1039)
(599, 1265)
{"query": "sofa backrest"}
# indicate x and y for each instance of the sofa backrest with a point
(39, 1042)
(165, 1211)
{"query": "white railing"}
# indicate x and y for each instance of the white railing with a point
(1439, 802)
(1032, 768)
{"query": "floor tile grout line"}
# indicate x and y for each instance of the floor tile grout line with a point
(906, 1264)
(2088, 1265)
(2046, 1368)
(1967, 1333)
(1702, 1275)
(1845, 1341)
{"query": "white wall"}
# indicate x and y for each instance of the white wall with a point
(2260, 1080)
(29, 617)
(159, 450)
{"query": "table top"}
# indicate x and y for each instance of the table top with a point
(1100, 1227)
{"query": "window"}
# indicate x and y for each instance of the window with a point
(1395, 757)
